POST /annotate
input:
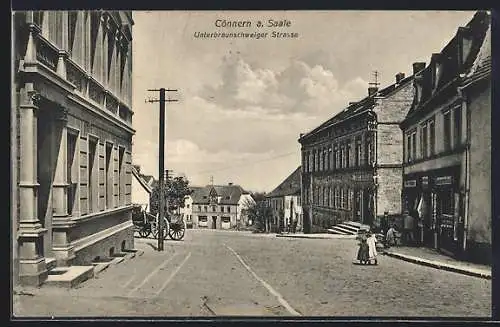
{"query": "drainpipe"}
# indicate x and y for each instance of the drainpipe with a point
(467, 165)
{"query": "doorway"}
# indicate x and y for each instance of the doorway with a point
(357, 206)
(367, 208)
(214, 222)
(47, 145)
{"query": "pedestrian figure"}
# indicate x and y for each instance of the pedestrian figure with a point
(372, 247)
(390, 238)
(294, 225)
(363, 251)
(409, 226)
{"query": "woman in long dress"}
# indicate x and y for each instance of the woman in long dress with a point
(372, 248)
(363, 252)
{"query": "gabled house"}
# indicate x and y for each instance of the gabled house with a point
(285, 202)
(217, 206)
(141, 188)
(447, 148)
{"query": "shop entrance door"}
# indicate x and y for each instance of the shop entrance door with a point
(428, 228)
(214, 222)
(447, 223)
(367, 208)
(357, 206)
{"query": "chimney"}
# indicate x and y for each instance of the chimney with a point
(229, 184)
(399, 77)
(418, 66)
(352, 102)
(372, 90)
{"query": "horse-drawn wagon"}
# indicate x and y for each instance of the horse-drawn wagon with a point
(147, 224)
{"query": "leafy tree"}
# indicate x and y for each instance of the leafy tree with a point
(176, 190)
(261, 214)
(259, 196)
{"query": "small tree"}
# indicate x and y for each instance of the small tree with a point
(176, 190)
(260, 214)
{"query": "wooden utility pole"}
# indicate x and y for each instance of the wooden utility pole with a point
(161, 163)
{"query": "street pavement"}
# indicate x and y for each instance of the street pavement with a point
(227, 273)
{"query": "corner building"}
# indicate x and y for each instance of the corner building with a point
(71, 131)
(352, 163)
(447, 148)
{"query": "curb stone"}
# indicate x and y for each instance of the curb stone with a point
(317, 237)
(438, 265)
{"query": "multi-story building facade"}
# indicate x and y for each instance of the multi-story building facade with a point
(217, 206)
(351, 162)
(447, 160)
(71, 139)
(285, 202)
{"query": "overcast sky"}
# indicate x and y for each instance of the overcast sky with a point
(244, 102)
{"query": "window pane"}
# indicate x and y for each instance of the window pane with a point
(458, 126)
(447, 131)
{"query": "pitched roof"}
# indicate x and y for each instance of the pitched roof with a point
(451, 71)
(140, 179)
(228, 194)
(481, 68)
(290, 186)
(359, 107)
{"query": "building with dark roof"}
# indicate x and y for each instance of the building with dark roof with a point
(351, 162)
(447, 148)
(217, 206)
(285, 202)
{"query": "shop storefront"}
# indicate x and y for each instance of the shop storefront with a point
(434, 199)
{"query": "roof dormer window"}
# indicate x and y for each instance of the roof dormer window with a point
(436, 70)
(464, 39)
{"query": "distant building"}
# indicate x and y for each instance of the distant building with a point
(285, 202)
(71, 138)
(141, 188)
(217, 206)
(447, 148)
(352, 163)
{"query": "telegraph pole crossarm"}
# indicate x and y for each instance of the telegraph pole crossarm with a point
(161, 159)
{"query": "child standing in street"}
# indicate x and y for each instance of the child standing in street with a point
(372, 247)
(363, 252)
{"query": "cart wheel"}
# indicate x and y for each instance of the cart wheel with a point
(177, 230)
(154, 229)
(144, 232)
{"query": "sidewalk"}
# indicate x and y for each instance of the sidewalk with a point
(431, 258)
(320, 236)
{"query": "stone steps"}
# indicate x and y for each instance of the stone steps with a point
(69, 277)
(346, 228)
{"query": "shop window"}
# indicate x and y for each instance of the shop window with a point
(447, 205)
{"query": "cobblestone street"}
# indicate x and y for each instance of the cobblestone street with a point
(237, 273)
